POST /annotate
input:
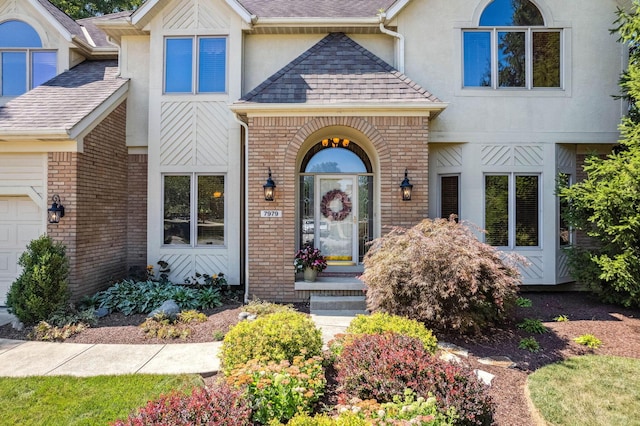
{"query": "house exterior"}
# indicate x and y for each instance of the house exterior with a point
(161, 127)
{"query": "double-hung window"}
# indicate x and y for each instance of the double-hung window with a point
(195, 65)
(194, 210)
(23, 63)
(512, 210)
(512, 48)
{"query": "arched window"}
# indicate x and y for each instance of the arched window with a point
(24, 64)
(512, 48)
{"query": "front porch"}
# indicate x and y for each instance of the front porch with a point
(333, 294)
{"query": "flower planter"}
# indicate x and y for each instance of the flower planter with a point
(310, 275)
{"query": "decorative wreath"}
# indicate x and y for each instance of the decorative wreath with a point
(325, 205)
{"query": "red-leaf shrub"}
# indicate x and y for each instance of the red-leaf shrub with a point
(381, 366)
(439, 273)
(219, 406)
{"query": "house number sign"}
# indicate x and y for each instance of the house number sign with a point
(270, 213)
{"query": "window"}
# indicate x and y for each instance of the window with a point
(449, 196)
(511, 211)
(194, 205)
(23, 63)
(512, 48)
(200, 59)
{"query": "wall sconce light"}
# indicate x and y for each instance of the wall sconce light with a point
(406, 187)
(56, 211)
(269, 188)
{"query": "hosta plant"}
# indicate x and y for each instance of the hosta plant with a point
(529, 344)
(588, 340)
(532, 326)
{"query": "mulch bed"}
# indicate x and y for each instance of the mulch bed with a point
(618, 328)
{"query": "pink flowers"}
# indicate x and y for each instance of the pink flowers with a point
(309, 257)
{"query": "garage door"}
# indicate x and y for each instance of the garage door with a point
(21, 220)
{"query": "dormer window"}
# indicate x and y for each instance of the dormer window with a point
(512, 48)
(24, 64)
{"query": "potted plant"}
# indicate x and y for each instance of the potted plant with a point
(310, 261)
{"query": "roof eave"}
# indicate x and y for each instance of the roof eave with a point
(317, 22)
(382, 108)
(116, 28)
(395, 8)
(51, 20)
(94, 52)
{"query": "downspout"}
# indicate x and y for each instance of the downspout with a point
(246, 206)
(399, 43)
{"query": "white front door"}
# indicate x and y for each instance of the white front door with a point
(336, 210)
(21, 221)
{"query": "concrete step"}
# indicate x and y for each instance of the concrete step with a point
(337, 304)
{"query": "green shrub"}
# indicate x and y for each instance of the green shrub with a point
(280, 390)
(437, 272)
(41, 288)
(381, 322)
(274, 337)
(523, 302)
(532, 326)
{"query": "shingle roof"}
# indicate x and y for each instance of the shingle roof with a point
(65, 20)
(338, 70)
(97, 35)
(61, 103)
(315, 8)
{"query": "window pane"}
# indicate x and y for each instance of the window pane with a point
(18, 34)
(365, 215)
(212, 65)
(336, 160)
(177, 210)
(43, 67)
(449, 196)
(496, 210)
(527, 211)
(501, 13)
(511, 59)
(546, 59)
(477, 59)
(211, 210)
(14, 73)
(307, 226)
(178, 65)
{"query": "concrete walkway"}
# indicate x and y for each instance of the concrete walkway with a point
(26, 358)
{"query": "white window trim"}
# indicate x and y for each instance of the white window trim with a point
(512, 210)
(193, 213)
(29, 68)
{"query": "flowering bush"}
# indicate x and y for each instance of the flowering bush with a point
(220, 405)
(280, 390)
(309, 257)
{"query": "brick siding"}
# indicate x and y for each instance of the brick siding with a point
(92, 185)
(137, 212)
(276, 142)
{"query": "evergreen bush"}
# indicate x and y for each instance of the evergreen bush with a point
(439, 273)
(42, 288)
(274, 337)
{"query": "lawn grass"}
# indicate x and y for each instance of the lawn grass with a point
(588, 391)
(65, 400)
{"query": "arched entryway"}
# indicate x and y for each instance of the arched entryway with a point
(336, 200)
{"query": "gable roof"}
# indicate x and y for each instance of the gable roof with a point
(337, 70)
(65, 106)
(315, 8)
